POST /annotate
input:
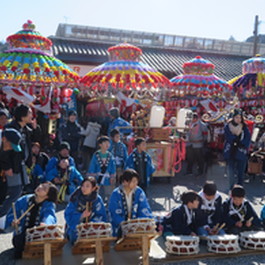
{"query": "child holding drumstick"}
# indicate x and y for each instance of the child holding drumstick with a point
(128, 201)
(32, 210)
(209, 214)
(238, 214)
(85, 205)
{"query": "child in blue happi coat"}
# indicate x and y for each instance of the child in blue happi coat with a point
(66, 177)
(103, 168)
(119, 151)
(141, 161)
(85, 205)
(128, 201)
(42, 213)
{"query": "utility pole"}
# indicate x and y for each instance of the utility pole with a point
(256, 37)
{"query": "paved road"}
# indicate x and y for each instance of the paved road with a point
(163, 195)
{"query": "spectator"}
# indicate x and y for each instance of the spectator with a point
(10, 164)
(70, 133)
(63, 152)
(4, 115)
(37, 170)
(23, 117)
(197, 136)
(117, 123)
(91, 134)
(237, 141)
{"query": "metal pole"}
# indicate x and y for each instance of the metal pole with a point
(256, 37)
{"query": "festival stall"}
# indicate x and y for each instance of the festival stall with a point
(198, 88)
(29, 73)
(250, 87)
(134, 87)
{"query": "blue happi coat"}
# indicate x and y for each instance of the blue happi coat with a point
(54, 161)
(74, 210)
(120, 153)
(149, 167)
(119, 122)
(46, 212)
(95, 168)
(140, 207)
(74, 177)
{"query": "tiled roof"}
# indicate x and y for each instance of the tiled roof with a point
(165, 60)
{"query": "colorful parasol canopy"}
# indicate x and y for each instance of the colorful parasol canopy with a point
(251, 84)
(124, 72)
(199, 80)
(28, 62)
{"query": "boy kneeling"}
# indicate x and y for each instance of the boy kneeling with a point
(181, 220)
(238, 214)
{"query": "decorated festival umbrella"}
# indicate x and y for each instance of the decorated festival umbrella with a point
(198, 80)
(250, 86)
(124, 72)
(28, 68)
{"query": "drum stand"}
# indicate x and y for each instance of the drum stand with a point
(137, 242)
(93, 245)
(44, 249)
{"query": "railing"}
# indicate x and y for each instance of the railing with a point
(155, 39)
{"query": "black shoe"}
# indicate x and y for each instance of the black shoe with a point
(2, 231)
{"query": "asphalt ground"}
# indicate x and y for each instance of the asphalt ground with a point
(163, 194)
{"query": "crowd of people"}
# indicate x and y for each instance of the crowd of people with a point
(112, 182)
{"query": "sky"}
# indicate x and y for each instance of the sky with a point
(216, 19)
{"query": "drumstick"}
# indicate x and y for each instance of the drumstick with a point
(250, 219)
(221, 227)
(215, 227)
(24, 214)
(15, 215)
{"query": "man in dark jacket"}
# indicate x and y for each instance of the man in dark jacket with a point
(70, 133)
(10, 164)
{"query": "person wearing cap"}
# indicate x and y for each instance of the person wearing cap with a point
(63, 152)
(118, 123)
(10, 163)
(237, 141)
(70, 132)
